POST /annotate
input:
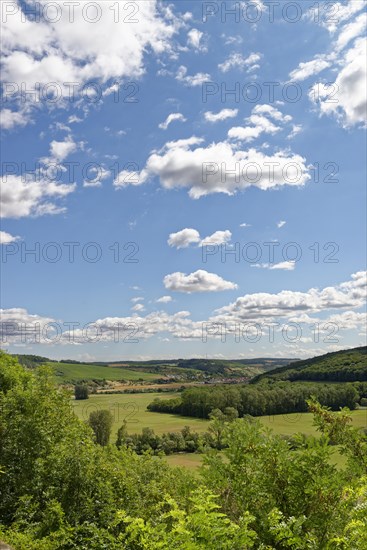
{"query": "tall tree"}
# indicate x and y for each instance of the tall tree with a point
(101, 423)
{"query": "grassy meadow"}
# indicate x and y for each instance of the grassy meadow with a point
(73, 372)
(132, 407)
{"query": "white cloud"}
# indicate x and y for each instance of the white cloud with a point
(137, 299)
(310, 68)
(296, 129)
(138, 307)
(10, 119)
(257, 123)
(194, 39)
(222, 115)
(191, 80)
(341, 12)
(62, 149)
(173, 116)
(259, 126)
(14, 321)
(245, 225)
(346, 97)
(85, 53)
(114, 89)
(164, 300)
(217, 238)
(222, 168)
(237, 39)
(286, 266)
(281, 223)
(350, 31)
(263, 305)
(265, 308)
(199, 281)
(265, 109)
(96, 174)
(43, 52)
(238, 61)
(74, 119)
(21, 198)
(6, 238)
(130, 177)
(183, 238)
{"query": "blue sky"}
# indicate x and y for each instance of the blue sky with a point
(175, 190)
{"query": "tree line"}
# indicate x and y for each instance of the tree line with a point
(260, 399)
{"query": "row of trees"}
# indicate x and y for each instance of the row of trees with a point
(260, 399)
(184, 441)
(172, 442)
(61, 491)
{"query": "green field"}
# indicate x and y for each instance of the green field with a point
(282, 425)
(192, 461)
(133, 408)
(73, 372)
(289, 424)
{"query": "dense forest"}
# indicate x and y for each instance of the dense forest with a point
(340, 366)
(60, 489)
(261, 399)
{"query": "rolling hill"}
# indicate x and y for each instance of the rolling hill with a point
(348, 365)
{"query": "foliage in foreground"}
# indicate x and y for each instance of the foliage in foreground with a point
(61, 490)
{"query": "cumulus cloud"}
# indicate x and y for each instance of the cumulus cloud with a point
(137, 299)
(351, 31)
(222, 115)
(6, 238)
(191, 80)
(43, 52)
(281, 223)
(199, 281)
(339, 301)
(130, 177)
(138, 307)
(217, 238)
(309, 68)
(60, 150)
(164, 300)
(263, 305)
(10, 119)
(194, 39)
(223, 168)
(346, 97)
(296, 129)
(259, 123)
(17, 325)
(265, 109)
(96, 174)
(183, 238)
(238, 61)
(342, 13)
(21, 198)
(172, 117)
